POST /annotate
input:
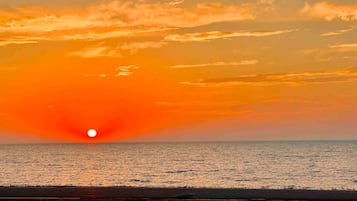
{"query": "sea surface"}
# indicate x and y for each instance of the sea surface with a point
(300, 165)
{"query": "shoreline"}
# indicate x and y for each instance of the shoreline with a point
(149, 193)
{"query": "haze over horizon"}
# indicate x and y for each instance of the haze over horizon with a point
(177, 70)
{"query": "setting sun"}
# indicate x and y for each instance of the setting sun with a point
(92, 133)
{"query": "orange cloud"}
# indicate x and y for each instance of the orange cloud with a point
(100, 51)
(16, 42)
(332, 52)
(120, 71)
(206, 36)
(345, 47)
(170, 15)
(134, 47)
(338, 32)
(117, 14)
(112, 19)
(220, 63)
(176, 2)
(116, 51)
(126, 70)
(298, 78)
(329, 11)
(89, 36)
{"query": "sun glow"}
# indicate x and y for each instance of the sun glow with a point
(92, 133)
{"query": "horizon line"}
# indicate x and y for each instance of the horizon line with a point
(180, 141)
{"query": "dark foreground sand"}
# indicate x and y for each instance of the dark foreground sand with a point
(137, 193)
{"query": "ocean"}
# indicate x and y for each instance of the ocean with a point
(273, 165)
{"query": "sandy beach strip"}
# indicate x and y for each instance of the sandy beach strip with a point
(143, 193)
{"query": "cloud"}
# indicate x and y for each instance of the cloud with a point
(125, 70)
(295, 78)
(16, 42)
(134, 47)
(176, 2)
(120, 71)
(329, 11)
(116, 51)
(119, 14)
(344, 47)
(109, 34)
(48, 23)
(220, 63)
(337, 51)
(113, 19)
(91, 35)
(141, 13)
(268, 5)
(338, 32)
(206, 36)
(94, 35)
(100, 51)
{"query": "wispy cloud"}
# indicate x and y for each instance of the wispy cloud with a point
(338, 32)
(16, 42)
(269, 5)
(120, 71)
(100, 51)
(206, 36)
(116, 50)
(160, 14)
(92, 35)
(135, 46)
(88, 36)
(118, 14)
(337, 51)
(176, 2)
(220, 63)
(347, 47)
(295, 78)
(95, 35)
(113, 19)
(125, 70)
(329, 11)
(46, 23)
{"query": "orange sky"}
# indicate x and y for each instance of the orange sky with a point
(177, 70)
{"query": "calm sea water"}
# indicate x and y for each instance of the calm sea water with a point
(312, 165)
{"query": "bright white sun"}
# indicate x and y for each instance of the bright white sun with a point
(92, 132)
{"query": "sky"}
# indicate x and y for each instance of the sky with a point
(177, 70)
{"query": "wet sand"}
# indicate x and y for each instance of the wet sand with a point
(138, 193)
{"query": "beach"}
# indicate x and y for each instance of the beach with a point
(142, 193)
